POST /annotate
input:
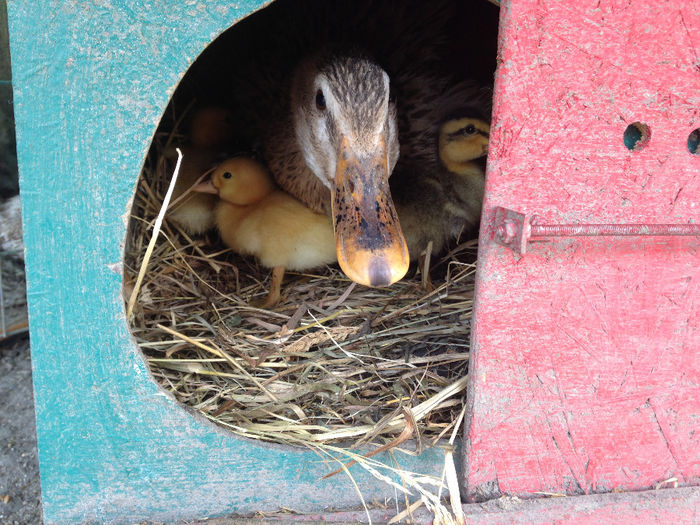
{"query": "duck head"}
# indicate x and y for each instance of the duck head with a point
(462, 139)
(346, 129)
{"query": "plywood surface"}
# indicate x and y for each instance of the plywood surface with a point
(585, 357)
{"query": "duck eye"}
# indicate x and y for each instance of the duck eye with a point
(320, 100)
(227, 175)
(470, 129)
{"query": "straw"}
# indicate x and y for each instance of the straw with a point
(332, 367)
(154, 237)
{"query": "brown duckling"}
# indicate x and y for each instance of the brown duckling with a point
(209, 132)
(254, 217)
(441, 206)
(461, 142)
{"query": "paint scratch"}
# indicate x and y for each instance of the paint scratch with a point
(690, 40)
(663, 435)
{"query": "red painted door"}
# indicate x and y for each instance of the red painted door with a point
(586, 351)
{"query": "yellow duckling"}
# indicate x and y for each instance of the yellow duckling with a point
(254, 217)
(443, 205)
(209, 132)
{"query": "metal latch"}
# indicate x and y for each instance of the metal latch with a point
(515, 230)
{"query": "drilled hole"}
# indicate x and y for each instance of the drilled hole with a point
(694, 142)
(636, 136)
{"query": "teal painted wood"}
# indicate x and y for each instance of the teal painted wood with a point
(91, 81)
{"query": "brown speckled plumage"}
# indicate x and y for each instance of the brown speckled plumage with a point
(405, 38)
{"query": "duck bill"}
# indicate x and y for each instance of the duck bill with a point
(370, 246)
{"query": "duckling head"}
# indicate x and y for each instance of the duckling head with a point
(241, 181)
(346, 128)
(462, 140)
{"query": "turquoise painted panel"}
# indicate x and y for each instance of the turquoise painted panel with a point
(91, 81)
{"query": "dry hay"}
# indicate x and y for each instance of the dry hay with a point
(333, 362)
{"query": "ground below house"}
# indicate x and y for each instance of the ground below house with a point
(20, 493)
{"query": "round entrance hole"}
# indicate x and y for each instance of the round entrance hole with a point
(331, 362)
(636, 136)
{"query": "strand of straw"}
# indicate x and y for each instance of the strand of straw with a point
(154, 237)
(450, 473)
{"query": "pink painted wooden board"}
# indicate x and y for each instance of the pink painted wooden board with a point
(586, 352)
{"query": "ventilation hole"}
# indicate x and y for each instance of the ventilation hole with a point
(694, 142)
(636, 136)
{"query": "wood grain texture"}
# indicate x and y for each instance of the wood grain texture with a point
(585, 352)
(679, 506)
(91, 81)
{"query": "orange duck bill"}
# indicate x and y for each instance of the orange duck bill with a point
(370, 246)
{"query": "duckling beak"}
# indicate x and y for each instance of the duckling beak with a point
(206, 186)
(370, 245)
(485, 148)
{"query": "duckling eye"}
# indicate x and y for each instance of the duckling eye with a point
(320, 100)
(470, 129)
(227, 175)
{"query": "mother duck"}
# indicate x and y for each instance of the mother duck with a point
(333, 92)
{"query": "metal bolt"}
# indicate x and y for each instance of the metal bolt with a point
(512, 225)
(501, 232)
(596, 230)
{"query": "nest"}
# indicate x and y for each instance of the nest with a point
(332, 363)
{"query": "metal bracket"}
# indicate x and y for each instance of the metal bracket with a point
(512, 229)
(515, 230)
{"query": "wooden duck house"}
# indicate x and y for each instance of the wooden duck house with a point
(584, 370)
